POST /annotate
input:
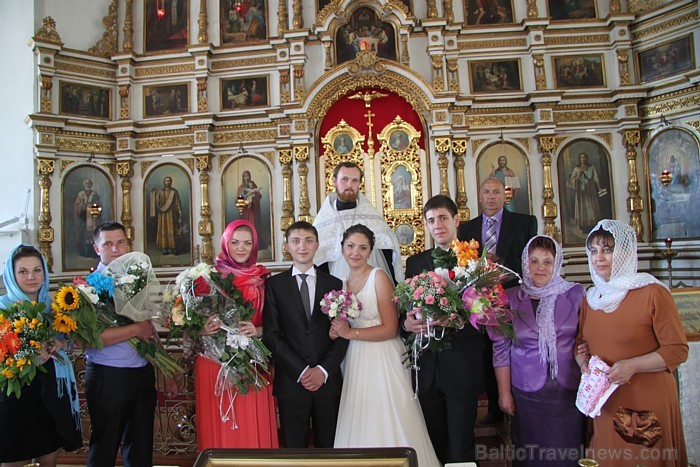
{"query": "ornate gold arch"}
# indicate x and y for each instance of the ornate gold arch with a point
(390, 80)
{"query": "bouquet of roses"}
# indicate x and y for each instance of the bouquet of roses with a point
(24, 331)
(435, 303)
(341, 304)
(478, 281)
(86, 308)
(199, 293)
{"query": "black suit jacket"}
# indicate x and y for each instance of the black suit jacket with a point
(458, 372)
(296, 343)
(516, 230)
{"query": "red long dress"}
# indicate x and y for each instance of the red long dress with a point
(255, 413)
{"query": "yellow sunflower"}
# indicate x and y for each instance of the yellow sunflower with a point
(67, 298)
(64, 323)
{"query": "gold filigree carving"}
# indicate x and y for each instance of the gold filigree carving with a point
(458, 119)
(285, 158)
(635, 204)
(694, 123)
(46, 139)
(476, 143)
(499, 120)
(71, 144)
(244, 62)
(125, 168)
(584, 115)
(491, 44)
(623, 67)
(532, 9)
(108, 44)
(300, 125)
(447, 11)
(269, 156)
(405, 57)
(525, 142)
(607, 137)
(282, 18)
(63, 163)
(145, 165)
(242, 136)
(672, 105)
(640, 6)
(341, 143)
(165, 70)
(47, 32)
(45, 168)
(660, 27)
(124, 111)
(549, 208)
(86, 70)
(301, 155)
(432, 9)
(297, 18)
(159, 143)
(576, 39)
(631, 110)
(189, 163)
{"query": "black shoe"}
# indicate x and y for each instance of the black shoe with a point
(492, 419)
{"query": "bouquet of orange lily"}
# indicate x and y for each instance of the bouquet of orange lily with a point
(24, 331)
(478, 281)
(84, 310)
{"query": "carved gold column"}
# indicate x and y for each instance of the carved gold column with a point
(206, 226)
(532, 9)
(432, 9)
(623, 67)
(285, 158)
(299, 89)
(635, 204)
(438, 79)
(405, 57)
(297, 19)
(447, 11)
(45, 235)
(282, 18)
(128, 43)
(46, 102)
(442, 145)
(452, 70)
(285, 93)
(203, 23)
(549, 208)
(459, 149)
(329, 55)
(301, 154)
(125, 169)
(540, 76)
(202, 95)
(615, 6)
(124, 108)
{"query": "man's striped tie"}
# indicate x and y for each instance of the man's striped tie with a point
(490, 243)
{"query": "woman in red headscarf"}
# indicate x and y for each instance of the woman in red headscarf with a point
(254, 412)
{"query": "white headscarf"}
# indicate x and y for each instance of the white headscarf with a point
(548, 294)
(607, 295)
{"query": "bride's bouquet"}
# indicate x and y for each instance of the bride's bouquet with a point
(341, 304)
(478, 281)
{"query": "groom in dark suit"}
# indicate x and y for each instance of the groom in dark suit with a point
(504, 234)
(308, 380)
(450, 381)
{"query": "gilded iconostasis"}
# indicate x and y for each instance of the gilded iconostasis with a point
(187, 114)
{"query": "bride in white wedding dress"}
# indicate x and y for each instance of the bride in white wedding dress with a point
(377, 408)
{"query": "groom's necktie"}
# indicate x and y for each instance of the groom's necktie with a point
(490, 242)
(304, 291)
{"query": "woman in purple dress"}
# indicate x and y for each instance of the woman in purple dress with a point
(537, 374)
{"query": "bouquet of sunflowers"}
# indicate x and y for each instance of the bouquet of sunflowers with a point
(24, 332)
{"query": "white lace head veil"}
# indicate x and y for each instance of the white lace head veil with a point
(607, 295)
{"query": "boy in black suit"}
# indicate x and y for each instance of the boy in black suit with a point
(308, 380)
(450, 381)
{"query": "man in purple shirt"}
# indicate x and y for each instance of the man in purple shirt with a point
(119, 383)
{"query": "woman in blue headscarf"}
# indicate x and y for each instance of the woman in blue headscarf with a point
(46, 417)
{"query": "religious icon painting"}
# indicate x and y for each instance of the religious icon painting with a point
(166, 100)
(488, 11)
(244, 93)
(579, 71)
(508, 163)
(166, 25)
(84, 101)
(88, 194)
(405, 234)
(167, 195)
(585, 189)
(673, 182)
(247, 182)
(243, 21)
(666, 59)
(365, 31)
(491, 76)
(571, 10)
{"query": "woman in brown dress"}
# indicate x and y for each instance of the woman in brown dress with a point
(631, 322)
